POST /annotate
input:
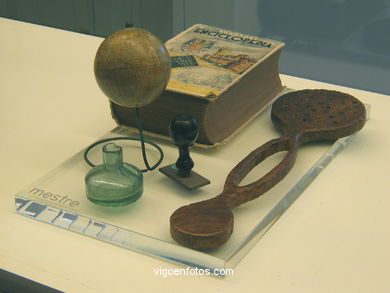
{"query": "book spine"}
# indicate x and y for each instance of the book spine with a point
(243, 101)
(157, 116)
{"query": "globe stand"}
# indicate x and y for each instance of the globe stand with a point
(116, 183)
(141, 139)
(132, 68)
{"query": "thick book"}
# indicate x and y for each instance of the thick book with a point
(222, 78)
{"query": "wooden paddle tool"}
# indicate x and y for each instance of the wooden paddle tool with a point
(301, 116)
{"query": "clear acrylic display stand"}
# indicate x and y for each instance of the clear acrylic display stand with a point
(59, 198)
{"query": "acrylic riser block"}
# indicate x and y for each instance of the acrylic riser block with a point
(59, 197)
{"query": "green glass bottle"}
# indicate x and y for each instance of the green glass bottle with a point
(114, 183)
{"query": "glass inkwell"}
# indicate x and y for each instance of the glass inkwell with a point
(114, 183)
(132, 68)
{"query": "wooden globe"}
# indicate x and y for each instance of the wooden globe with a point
(132, 67)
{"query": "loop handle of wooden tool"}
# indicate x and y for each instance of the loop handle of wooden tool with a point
(236, 195)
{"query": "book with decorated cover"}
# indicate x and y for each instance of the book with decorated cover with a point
(222, 78)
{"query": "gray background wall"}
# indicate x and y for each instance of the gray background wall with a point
(344, 42)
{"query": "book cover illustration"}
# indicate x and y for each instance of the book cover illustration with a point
(206, 60)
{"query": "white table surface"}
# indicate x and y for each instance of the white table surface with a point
(334, 238)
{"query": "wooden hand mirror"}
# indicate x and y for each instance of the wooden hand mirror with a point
(301, 116)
